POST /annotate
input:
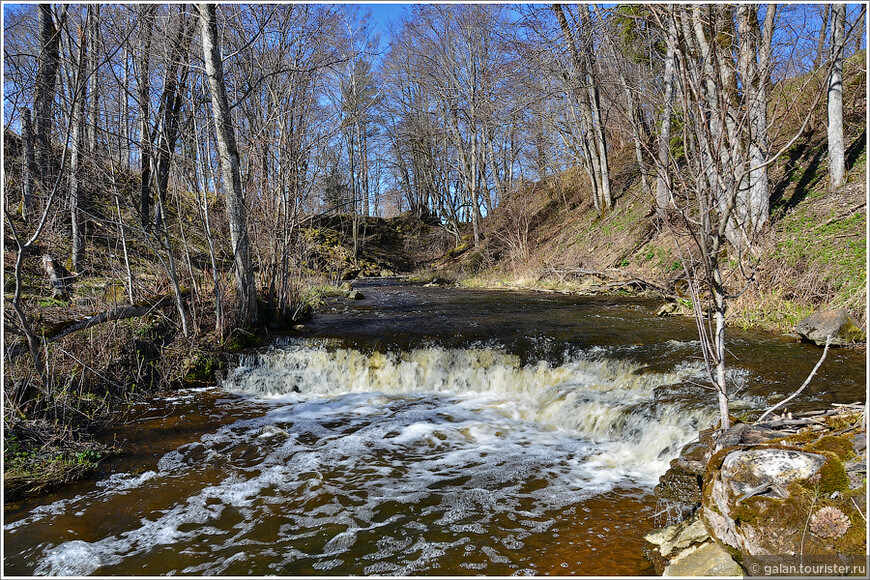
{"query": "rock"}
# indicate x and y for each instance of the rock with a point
(835, 323)
(672, 539)
(756, 499)
(744, 434)
(355, 295)
(682, 481)
(856, 471)
(350, 274)
(674, 309)
(706, 560)
(759, 471)
(272, 431)
(57, 277)
(859, 442)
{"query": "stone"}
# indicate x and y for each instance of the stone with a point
(757, 498)
(708, 559)
(835, 323)
(672, 539)
(748, 471)
(273, 431)
(350, 273)
(674, 309)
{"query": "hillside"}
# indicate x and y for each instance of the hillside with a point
(812, 250)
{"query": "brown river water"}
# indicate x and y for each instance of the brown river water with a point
(420, 431)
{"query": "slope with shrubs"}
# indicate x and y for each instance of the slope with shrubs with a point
(812, 250)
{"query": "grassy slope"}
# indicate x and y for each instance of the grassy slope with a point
(814, 247)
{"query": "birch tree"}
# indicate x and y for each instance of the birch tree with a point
(229, 162)
(836, 146)
(46, 80)
(583, 80)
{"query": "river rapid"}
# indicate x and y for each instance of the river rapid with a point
(418, 431)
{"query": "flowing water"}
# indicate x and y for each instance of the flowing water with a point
(419, 431)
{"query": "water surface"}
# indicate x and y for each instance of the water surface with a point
(418, 431)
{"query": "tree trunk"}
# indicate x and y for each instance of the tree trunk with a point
(46, 80)
(229, 161)
(144, 86)
(202, 198)
(93, 91)
(28, 165)
(836, 147)
(171, 102)
(823, 33)
(124, 113)
(585, 91)
(753, 204)
(663, 185)
(79, 96)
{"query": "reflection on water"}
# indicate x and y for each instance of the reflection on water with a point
(425, 432)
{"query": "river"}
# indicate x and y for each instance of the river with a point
(418, 431)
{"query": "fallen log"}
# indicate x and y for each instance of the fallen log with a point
(62, 329)
(58, 331)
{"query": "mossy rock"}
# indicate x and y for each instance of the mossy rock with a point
(757, 501)
(243, 340)
(834, 323)
(202, 370)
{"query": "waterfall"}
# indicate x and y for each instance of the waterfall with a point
(614, 402)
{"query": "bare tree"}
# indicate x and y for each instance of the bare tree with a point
(142, 61)
(230, 169)
(578, 39)
(663, 184)
(79, 121)
(836, 146)
(46, 79)
(27, 168)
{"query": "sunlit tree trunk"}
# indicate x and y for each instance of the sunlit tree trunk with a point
(27, 168)
(94, 79)
(836, 146)
(663, 185)
(77, 138)
(143, 77)
(229, 161)
(46, 80)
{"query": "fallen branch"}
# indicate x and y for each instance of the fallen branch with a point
(803, 386)
(58, 331)
(62, 329)
(848, 213)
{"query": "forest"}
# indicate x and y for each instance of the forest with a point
(180, 179)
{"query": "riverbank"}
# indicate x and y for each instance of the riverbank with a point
(791, 490)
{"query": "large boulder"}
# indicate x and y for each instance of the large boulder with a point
(758, 501)
(686, 549)
(708, 559)
(834, 323)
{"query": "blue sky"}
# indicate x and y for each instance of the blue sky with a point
(382, 13)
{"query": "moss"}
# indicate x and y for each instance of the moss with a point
(840, 422)
(201, 371)
(838, 445)
(832, 475)
(243, 340)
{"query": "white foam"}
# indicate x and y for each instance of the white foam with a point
(74, 558)
(597, 397)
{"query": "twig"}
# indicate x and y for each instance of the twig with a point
(848, 213)
(860, 513)
(803, 386)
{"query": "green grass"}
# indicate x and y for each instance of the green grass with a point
(838, 249)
